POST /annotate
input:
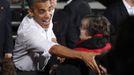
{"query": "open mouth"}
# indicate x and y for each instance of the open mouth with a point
(45, 23)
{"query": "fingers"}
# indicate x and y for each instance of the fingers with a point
(8, 55)
(61, 59)
(89, 59)
(103, 70)
(97, 70)
(53, 69)
(92, 64)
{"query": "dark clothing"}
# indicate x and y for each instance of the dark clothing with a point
(120, 61)
(76, 10)
(6, 42)
(78, 67)
(66, 26)
(74, 67)
(107, 2)
(123, 50)
(98, 44)
(60, 26)
(116, 14)
(93, 43)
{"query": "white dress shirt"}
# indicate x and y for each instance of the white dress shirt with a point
(31, 38)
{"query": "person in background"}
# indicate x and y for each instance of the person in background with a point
(34, 44)
(76, 9)
(6, 40)
(94, 37)
(66, 21)
(121, 61)
(94, 33)
(116, 14)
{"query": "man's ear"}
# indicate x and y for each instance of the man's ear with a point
(30, 12)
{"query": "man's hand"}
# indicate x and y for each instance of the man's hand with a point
(89, 59)
(8, 55)
(103, 70)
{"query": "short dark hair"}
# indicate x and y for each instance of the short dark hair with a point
(97, 25)
(31, 2)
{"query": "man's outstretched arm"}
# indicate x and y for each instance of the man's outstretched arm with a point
(87, 57)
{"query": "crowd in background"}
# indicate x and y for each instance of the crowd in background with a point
(60, 30)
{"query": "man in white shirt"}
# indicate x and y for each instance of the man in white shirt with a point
(34, 36)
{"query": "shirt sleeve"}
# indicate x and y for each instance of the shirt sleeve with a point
(37, 42)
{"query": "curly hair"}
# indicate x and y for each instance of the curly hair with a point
(96, 25)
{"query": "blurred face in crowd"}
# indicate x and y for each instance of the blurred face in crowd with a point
(53, 3)
(42, 13)
(130, 2)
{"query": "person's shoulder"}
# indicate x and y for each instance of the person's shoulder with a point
(26, 24)
(27, 21)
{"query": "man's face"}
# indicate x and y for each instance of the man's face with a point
(42, 13)
(53, 3)
(132, 2)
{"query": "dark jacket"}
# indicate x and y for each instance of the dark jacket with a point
(60, 25)
(116, 14)
(76, 10)
(78, 67)
(120, 61)
(6, 42)
(97, 44)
